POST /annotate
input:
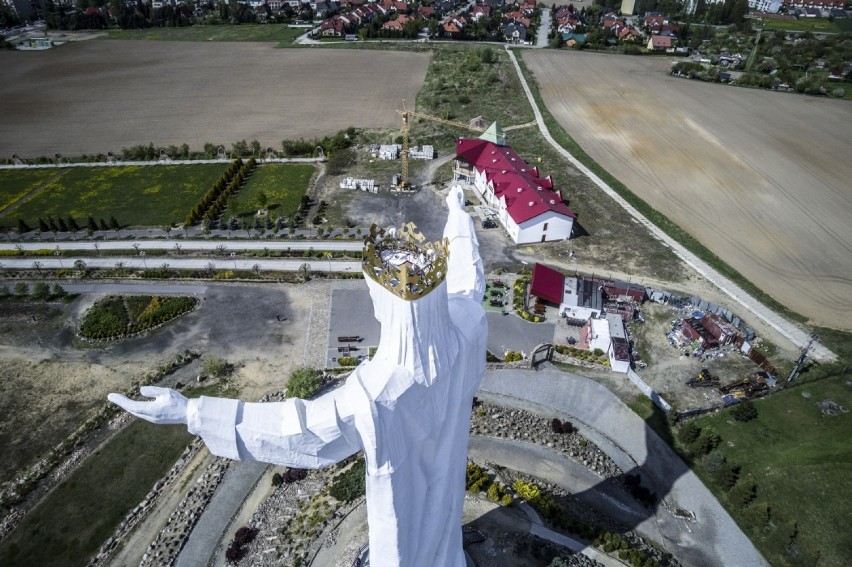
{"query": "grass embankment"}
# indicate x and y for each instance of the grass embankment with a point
(243, 32)
(283, 185)
(797, 459)
(135, 195)
(813, 25)
(660, 220)
(74, 520)
(15, 184)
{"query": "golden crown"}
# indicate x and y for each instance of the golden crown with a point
(403, 263)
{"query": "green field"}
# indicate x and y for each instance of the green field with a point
(72, 522)
(244, 32)
(134, 195)
(14, 184)
(799, 459)
(283, 185)
(813, 25)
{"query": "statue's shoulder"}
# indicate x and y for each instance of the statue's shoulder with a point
(466, 313)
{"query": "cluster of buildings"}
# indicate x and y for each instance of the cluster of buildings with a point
(601, 307)
(653, 30)
(452, 19)
(528, 205)
(709, 330)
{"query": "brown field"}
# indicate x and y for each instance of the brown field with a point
(760, 178)
(98, 96)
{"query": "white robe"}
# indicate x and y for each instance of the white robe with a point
(408, 409)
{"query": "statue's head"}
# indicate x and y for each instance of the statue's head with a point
(402, 262)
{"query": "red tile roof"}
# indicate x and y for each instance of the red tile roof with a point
(527, 194)
(547, 283)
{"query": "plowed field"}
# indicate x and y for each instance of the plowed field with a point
(98, 96)
(760, 178)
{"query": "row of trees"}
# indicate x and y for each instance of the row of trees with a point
(66, 225)
(40, 291)
(214, 202)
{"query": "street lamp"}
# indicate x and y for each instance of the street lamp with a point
(59, 257)
(234, 258)
(144, 263)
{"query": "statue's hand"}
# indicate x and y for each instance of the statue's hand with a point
(455, 198)
(168, 406)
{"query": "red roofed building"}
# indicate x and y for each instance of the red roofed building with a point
(527, 204)
(547, 284)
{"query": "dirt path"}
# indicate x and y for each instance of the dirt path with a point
(785, 328)
(11, 207)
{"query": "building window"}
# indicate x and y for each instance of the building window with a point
(545, 226)
(543, 237)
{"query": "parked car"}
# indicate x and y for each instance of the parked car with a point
(489, 223)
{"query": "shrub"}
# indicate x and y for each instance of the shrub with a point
(304, 382)
(277, 479)
(744, 411)
(713, 461)
(21, 289)
(513, 356)
(347, 361)
(351, 484)
(41, 291)
(743, 493)
(598, 352)
(727, 475)
(688, 433)
(215, 366)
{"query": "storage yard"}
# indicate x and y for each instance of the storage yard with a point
(724, 166)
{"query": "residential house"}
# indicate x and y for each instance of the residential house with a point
(527, 205)
(397, 25)
(426, 11)
(659, 43)
(514, 32)
(453, 27)
(573, 39)
(627, 34)
(480, 10)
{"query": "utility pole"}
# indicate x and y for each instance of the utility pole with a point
(802, 358)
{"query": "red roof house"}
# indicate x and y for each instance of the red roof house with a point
(547, 284)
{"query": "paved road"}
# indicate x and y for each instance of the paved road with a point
(119, 163)
(796, 335)
(141, 262)
(240, 479)
(191, 245)
(543, 29)
(713, 538)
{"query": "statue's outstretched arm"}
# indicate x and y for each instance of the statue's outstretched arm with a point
(296, 433)
(465, 275)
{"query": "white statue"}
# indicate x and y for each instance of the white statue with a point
(408, 408)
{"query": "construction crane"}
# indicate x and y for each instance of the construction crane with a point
(406, 115)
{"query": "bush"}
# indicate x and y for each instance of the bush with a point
(513, 356)
(215, 366)
(22, 289)
(743, 493)
(688, 433)
(277, 479)
(713, 461)
(727, 475)
(351, 484)
(744, 411)
(41, 291)
(304, 382)
(347, 361)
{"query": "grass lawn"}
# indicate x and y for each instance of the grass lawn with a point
(801, 462)
(134, 195)
(283, 184)
(15, 183)
(82, 512)
(244, 32)
(813, 25)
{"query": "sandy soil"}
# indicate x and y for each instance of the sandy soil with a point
(761, 178)
(98, 96)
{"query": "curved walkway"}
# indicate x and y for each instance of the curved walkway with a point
(796, 335)
(709, 537)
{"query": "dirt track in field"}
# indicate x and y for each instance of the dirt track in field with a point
(761, 178)
(99, 96)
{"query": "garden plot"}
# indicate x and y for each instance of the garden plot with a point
(759, 178)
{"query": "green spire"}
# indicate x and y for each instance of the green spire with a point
(494, 134)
